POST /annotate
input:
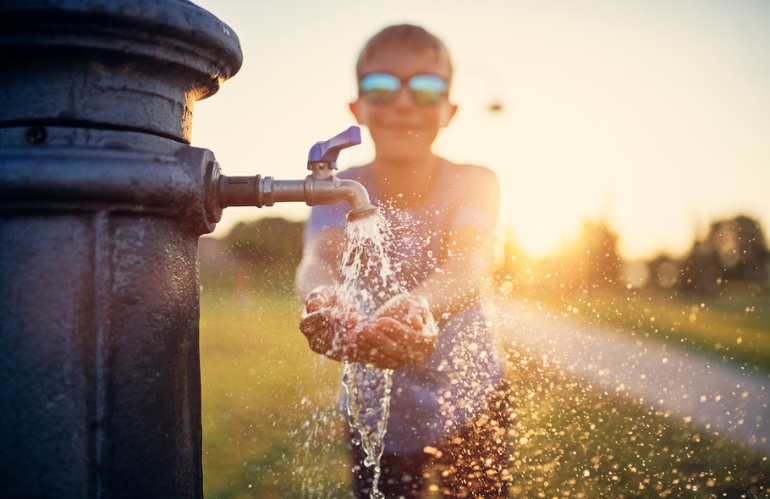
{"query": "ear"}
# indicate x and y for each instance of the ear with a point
(448, 112)
(355, 108)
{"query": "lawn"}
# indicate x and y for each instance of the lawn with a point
(270, 420)
(575, 442)
(272, 428)
(733, 325)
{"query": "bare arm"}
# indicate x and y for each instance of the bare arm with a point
(459, 279)
(320, 262)
(458, 282)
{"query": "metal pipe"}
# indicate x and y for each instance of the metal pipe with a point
(265, 191)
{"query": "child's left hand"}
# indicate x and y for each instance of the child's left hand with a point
(328, 327)
(403, 333)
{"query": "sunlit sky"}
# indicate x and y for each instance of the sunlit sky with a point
(652, 115)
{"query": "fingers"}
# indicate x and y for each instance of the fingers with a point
(399, 305)
(313, 322)
(329, 332)
(377, 342)
(319, 332)
(402, 334)
(322, 296)
(410, 309)
(415, 321)
(390, 344)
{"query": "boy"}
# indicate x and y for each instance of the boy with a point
(448, 401)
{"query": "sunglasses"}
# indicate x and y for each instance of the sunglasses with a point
(382, 88)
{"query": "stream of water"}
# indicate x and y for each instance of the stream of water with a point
(369, 281)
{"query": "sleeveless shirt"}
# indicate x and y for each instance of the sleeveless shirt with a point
(433, 399)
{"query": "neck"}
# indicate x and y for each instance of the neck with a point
(405, 183)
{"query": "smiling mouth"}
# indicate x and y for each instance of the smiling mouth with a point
(405, 129)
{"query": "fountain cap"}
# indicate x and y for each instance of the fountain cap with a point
(132, 65)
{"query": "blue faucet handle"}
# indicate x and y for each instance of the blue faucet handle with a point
(328, 150)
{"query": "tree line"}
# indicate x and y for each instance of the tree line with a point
(733, 250)
(267, 251)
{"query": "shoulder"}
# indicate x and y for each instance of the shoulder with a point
(476, 191)
(467, 175)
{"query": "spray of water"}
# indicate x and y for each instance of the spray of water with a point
(369, 281)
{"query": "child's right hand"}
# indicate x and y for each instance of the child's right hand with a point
(402, 334)
(322, 319)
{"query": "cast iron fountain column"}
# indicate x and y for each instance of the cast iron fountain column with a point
(101, 205)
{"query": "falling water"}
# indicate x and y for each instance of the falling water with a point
(369, 281)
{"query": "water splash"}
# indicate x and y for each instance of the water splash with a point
(368, 408)
(369, 281)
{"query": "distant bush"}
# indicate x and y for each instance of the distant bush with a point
(734, 250)
(268, 242)
(263, 252)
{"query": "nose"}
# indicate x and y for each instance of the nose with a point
(404, 97)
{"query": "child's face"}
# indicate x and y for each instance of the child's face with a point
(402, 128)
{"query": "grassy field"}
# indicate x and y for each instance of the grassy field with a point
(733, 325)
(272, 429)
(574, 442)
(270, 421)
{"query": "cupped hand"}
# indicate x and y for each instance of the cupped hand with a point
(329, 328)
(403, 333)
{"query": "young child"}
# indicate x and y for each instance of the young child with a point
(449, 410)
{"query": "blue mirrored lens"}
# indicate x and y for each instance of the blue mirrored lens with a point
(428, 89)
(379, 87)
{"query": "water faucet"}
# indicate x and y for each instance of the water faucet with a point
(320, 187)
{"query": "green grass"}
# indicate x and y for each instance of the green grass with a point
(272, 429)
(265, 395)
(733, 325)
(593, 444)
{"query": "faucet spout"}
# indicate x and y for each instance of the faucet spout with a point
(265, 191)
(332, 190)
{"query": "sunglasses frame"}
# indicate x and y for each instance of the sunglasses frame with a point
(416, 93)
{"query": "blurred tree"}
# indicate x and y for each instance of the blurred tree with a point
(601, 263)
(509, 263)
(589, 262)
(267, 242)
(701, 271)
(734, 250)
(741, 247)
(665, 272)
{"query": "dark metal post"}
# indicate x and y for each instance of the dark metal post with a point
(101, 206)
